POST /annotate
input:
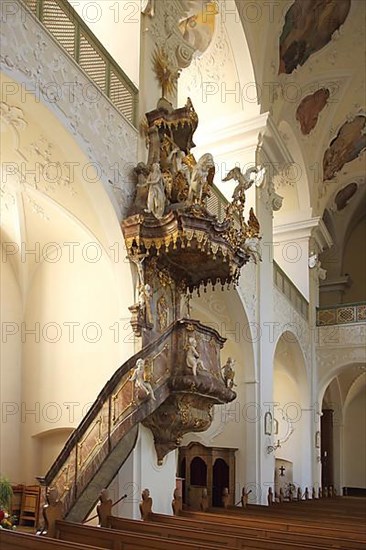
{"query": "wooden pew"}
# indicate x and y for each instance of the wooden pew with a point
(313, 514)
(12, 540)
(288, 523)
(275, 532)
(274, 528)
(341, 515)
(120, 540)
(180, 529)
(126, 540)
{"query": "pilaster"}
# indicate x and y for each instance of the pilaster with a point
(271, 153)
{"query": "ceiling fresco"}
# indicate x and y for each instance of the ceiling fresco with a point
(345, 147)
(343, 196)
(309, 26)
(308, 111)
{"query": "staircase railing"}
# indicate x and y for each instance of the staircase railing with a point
(96, 450)
(71, 32)
(111, 416)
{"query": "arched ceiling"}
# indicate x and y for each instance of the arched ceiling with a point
(345, 210)
(344, 387)
(51, 192)
(317, 96)
(220, 81)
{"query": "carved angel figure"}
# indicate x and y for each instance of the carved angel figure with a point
(141, 171)
(138, 376)
(228, 373)
(145, 295)
(156, 197)
(245, 181)
(148, 7)
(175, 161)
(252, 247)
(199, 177)
(314, 262)
(193, 358)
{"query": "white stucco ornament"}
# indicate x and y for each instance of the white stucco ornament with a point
(147, 7)
(313, 260)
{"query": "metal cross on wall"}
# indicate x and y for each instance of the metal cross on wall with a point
(282, 471)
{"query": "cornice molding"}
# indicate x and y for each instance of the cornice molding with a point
(232, 133)
(304, 229)
(274, 146)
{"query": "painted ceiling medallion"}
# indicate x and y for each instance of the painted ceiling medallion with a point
(309, 26)
(308, 111)
(343, 196)
(345, 147)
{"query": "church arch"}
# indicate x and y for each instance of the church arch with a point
(291, 396)
(74, 287)
(343, 405)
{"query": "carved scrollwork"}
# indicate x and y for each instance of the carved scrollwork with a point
(178, 415)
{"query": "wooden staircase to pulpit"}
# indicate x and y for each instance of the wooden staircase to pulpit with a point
(98, 448)
(177, 246)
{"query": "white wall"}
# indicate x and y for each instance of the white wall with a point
(63, 378)
(10, 374)
(354, 443)
(160, 480)
(291, 397)
(292, 257)
(287, 392)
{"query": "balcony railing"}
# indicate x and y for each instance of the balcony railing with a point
(341, 314)
(70, 31)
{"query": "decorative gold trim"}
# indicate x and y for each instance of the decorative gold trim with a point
(167, 370)
(115, 396)
(66, 485)
(97, 443)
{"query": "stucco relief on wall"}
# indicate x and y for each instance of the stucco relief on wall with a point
(338, 346)
(247, 291)
(31, 57)
(212, 70)
(39, 168)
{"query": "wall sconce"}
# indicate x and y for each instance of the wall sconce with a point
(272, 448)
(268, 423)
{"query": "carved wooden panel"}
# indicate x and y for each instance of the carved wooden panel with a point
(209, 455)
